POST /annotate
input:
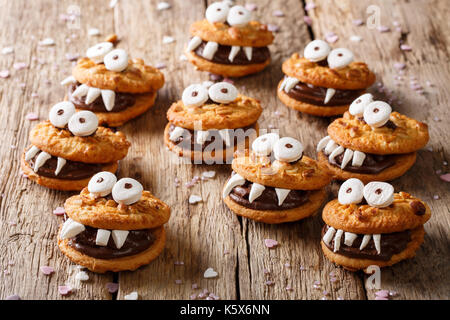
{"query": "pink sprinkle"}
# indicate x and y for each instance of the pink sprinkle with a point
(381, 298)
(59, 211)
(201, 295)
(160, 65)
(4, 74)
(270, 243)
(383, 29)
(382, 293)
(266, 271)
(178, 281)
(193, 296)
(273, 27)
(358, 22)
(310, 6)
(269, 283)
(179, 263)
(287, 265)
(47, 270)
(194, 286)
(288, 288)
(251, 6)
(331, 37)
(307, 20)
(228, 80)
(436, 197)
(333, 279)
(64, 290)
(72, 56)
(445, 177)
(226, 252)
(399, 66)
(20, 65)
(405, 47)
(215, 77)
(112, 287)
(278, 13)
(32, 116)
(13, 297)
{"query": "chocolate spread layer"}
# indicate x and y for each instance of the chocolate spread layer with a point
(183, 142)
(311, 94)
(268, 200)
(259, 55)
(137, 241)
(72, 170)
(121, 102)
(373, 163)
(390, 244)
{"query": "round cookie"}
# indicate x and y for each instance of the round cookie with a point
(403, 162)
(240, 113)
(136, 78)
(104, 146)
(148, 213)
(315, 200)
(118, 264)
(408, 136)
(352, 77)
(320, 111)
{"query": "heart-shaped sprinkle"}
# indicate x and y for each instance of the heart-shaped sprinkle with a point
(210, 273)
(112, 287)
(32, 116)
(13, 297)
(445, 177)
(47, 270)
(59, 211)
(64, 290)
(270, 243)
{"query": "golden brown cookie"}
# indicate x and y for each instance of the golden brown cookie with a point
(136, 78)
(408, 136)
(104, 146)
(403, 162)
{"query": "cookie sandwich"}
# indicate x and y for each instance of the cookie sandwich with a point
(113, 86)
(210, 122)
(324, 81)
(372, 225)
(228, 42)
(371, 143)
(274, 182)
(113, 225)
(67, 150)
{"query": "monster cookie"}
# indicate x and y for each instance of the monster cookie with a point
(371, 142)
(67, 150)
(275, 182)
(210, 122)
(372, 225)
(324, 81)
(113, 225)
(114, 87)
(228, 42)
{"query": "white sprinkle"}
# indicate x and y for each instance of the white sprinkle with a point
(47, 42)
(167, 39)
(355, 38)
(7, 50)
(163, 6)
(113, 3)
(183, 58)
(193, 199)
(92, 32)
(132, 296)
(209, 174)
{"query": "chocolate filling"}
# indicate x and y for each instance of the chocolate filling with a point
(259, 55)
(137, 241)
(390, 244)
(311, 94)
(373, 163)
(72, 170)
(183, 141)
(268, 200)
(121, 102)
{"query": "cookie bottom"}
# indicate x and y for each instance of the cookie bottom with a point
(354, 264)
(403, 163)
(115, 265)
(206, 157)
(225, 70)
(320, 111)
(61, 184)
(315, 201)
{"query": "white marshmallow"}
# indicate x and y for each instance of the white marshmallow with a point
(69, 80)
(235, 180)
(223, 92)
(60, 164)
(365, 241)
(60, 113)
(194, 43)
(377, 242)
(102, 237)
(323, 143)
(101, 184)
(248, 52)
(98, 52)
(40, 160)
(316, 50)
(349, 238)
(335, 153)
(351, 191)
(337, 240)
(255, 191)
(329, 148)
(281, 195)
(379, 194)
(339, 58)
(83, 123)
(287, 149)
(263, 145)
(176, 133)
(347, 157)
(81, 91)
(70, 229)
(358, 105)
(93, 93)
(194, 95)
(119, 237)
(328, 235)
(127, 191)
(31, 153)
(109, 98)
(116, 60)
(217, 12)
(330, 93)
(358, 158)
(377, 113)
(209, 50)
(233, 52)
(238, 16)
(290, 83)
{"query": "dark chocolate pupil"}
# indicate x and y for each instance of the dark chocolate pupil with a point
(218, 9)
(241, 13)
(194, 94)
(376, 110)
(116, 57)
(339, 54)
(316, 48)
(100, 180)
(128, 185)
(288, 145)
(224, 90)
(82, 120)
(358, 101)
(378, 191)
(60, 112)
(349, 190)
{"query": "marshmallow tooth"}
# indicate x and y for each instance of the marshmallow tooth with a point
(358, 158)
(328, 235)
(194, 43)
(109, 98)
(281, 195)
(330, 93)
(255, 191)
(349, 238)
(70, 229)
(347, 157)
(330, 147)
(60, 165)
(365, 241)
(102, 237)
(202, 136)
(81, 91)
(283, 84)
(92, 94)
(40, 160)
(339, 150)
(290, 83)
(210, 49)
(31, 153)
(235, 180)
(323, 143)
(337, 240)
(119, 237)
(69, 80)
(233, 52)
(248, 53)
(177, 133)
(377, 242)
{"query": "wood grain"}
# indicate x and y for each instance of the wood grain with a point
(207, 234)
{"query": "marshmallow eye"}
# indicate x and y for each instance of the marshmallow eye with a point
(99, 51)
(217, 12)
(339, 58)
(357, 107)
(316, 50)
(116, 60)
(238, 16)
(83, 123)
(223, 92)
(127, 191)
(101, 184)
(195, 95)
(60, 113)
(351, 191)
(263, 145)
(377, 113)
(379, 194)
(288, 149)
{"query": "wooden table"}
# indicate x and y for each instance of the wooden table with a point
(208, 234)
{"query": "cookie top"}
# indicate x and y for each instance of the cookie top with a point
(354, 76)
(254, 34)
(408, 135)
(405, 212)
(137, 77)
(105, 213)
(213, 108)
(103, 146)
